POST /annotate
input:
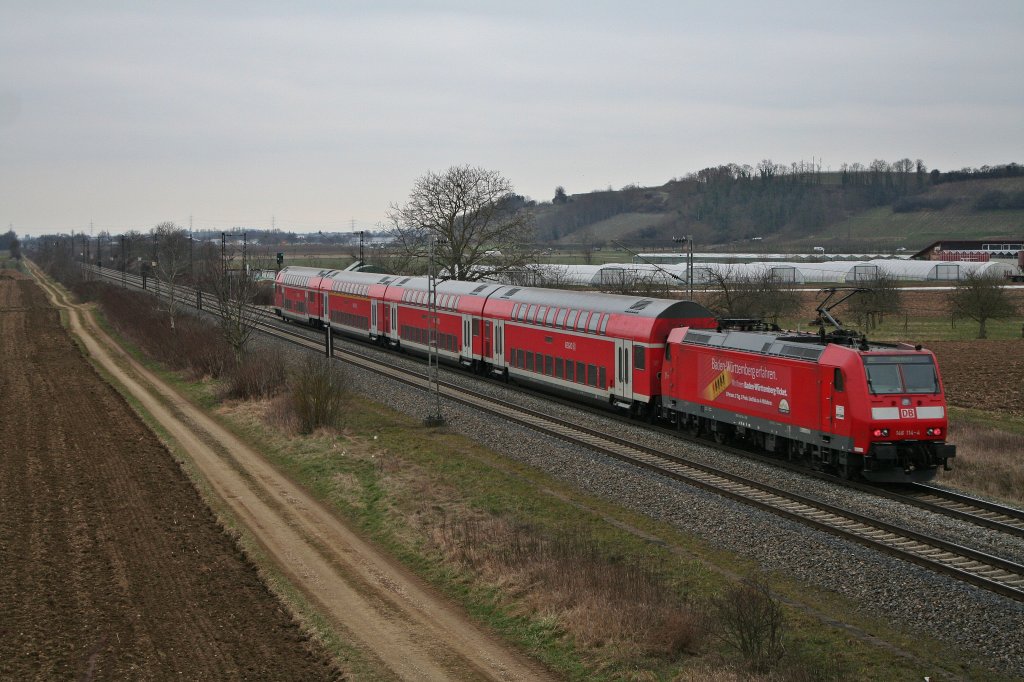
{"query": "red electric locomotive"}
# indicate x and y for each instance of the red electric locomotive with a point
(856, 408)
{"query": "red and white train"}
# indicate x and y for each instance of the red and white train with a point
(873, 410)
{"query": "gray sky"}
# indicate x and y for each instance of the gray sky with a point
(320, 113)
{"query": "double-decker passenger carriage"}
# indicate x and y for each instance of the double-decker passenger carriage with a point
(875, 410)
(464, 334)
(603, 347)
(297, 294)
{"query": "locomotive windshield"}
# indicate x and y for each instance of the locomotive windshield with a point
(901, 374)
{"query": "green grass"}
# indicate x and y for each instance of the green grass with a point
(914, 330)
(920, 228)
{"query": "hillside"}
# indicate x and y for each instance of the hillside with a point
(865, 210)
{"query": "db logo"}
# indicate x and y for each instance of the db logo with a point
(908, 413)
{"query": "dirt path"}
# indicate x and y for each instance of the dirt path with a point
(111, 565)
(393, 616)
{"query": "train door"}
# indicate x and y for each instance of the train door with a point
(393, 308)
(623, 370)
(839, 418)
(499, 344)
(373, 319)
(325, 312)
(488, 350)
(467, 336)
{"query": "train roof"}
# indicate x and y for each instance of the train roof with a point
(790, 345)
(642, 306)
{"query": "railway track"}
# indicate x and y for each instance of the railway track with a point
(962, 563)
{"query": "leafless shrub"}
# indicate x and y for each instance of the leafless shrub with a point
(264, 294)
(280, 415)
(751, 622)
(259, 375)
(317, 392)
(193, 345)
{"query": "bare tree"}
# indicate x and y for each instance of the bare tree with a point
(587, 244)
(751, 622)
(981, 298)
(762, 295)
(232, 279)
(554, 277)
(469, 212)
(172, 264)
(635, 281)
(882, 296)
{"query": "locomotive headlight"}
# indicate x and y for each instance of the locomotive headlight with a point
(934, 432)
(881, 433)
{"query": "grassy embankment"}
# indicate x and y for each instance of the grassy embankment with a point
(593, 590)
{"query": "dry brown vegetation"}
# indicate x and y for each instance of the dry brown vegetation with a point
(603, 602)
(989, 461)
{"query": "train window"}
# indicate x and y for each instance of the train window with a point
(591, 375)
(592, 326)
(529, 361)
(531, 313)
(515, 311)
(550, 319)
(560, 320)
(901, 374)
(540, 315)
(559, 368)
(581, 372)
(476, 327)
(603, 379)
(604, 323)
(837, 380)
(520, 359)
(639, 357)
(570, 322)
(581, 325)
(569, 374)
(549, 365)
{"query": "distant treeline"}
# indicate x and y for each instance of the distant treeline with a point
(1010, 170)
(9, 242)
(735, 201)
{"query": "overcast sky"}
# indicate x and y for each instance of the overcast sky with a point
(318, 114)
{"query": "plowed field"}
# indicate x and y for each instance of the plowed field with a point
(986, 375)
(111, 566)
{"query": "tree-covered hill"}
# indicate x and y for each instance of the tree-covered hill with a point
(875, 207)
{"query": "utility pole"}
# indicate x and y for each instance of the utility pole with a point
(433, 369)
